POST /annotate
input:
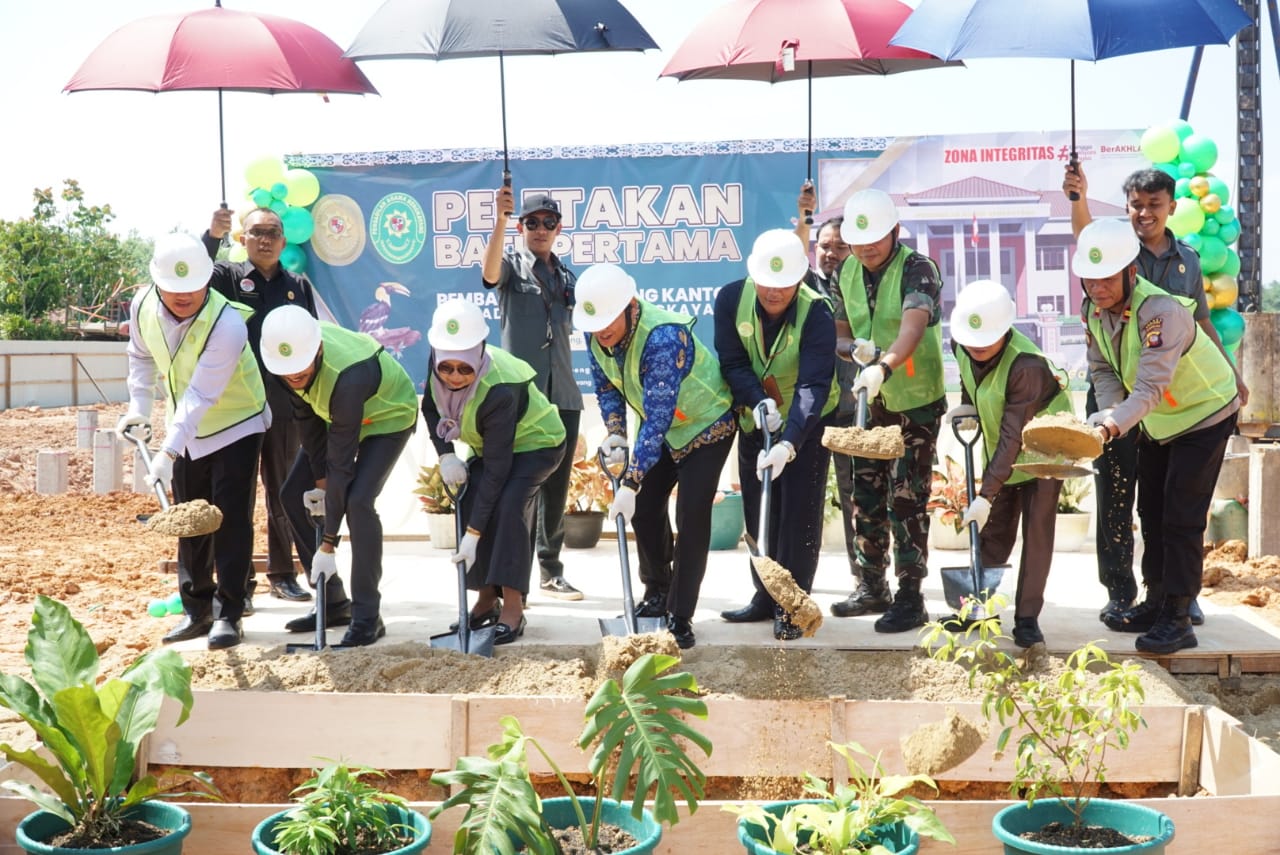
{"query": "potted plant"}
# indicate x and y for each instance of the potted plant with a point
(638, 731)
(438, 507)
(866, 815)
(587, 501)
(92, 731)
(1065, 726)
(1072, 524)
(727, 522)
(341, 813)
(948, 499)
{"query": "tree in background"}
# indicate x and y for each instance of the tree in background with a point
(63, 257)
(1271, 296)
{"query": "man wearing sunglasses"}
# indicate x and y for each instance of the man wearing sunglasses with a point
(536, 295)
(262, 284)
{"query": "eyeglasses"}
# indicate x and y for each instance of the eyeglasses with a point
(461, 369)
(268, 234)
(548, 223)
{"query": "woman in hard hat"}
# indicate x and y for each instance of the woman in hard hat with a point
(1005, 382)
(356, 407)
(775, 336)
(1153, 366)
(888, 310)
(489, 400)
(647, 358)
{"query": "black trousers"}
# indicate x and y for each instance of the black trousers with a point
(795, 507)
(504, 553)
(375, 458)
(1115, 486)
(669, 566)
(1175, 487)
(280, 446)
(547, 530)
(226, 479)
(1035, 503)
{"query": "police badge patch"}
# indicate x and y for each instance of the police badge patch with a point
(1152, 332)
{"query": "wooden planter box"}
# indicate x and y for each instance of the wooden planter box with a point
(1186, 748)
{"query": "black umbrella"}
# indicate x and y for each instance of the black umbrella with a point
(460, 29)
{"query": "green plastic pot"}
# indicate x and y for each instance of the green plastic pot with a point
(727, 522)
(558, 813)
(41, 825)
(897, 838)
(264, 835)
(1125, 817)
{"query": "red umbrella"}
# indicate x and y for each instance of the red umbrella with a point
(779, 40)
(219, 49)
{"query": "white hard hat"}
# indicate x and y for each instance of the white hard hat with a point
(180, 264)
(983, 313)
(868, 216)
(777, 259)
(290, 340)
(602, 293)
(457, 325)
(1105, 247)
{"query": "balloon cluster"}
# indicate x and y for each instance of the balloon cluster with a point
(1202, 218)
(170, 606)
(288, 192)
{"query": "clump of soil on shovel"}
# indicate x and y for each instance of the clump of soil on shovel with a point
(941, 745)
(188, 519)
(877, 443)
(789, 596)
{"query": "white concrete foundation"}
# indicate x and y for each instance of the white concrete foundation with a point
(1264, 499)
(51, 471)
(139, 482)
(86, 425)
(108, 471)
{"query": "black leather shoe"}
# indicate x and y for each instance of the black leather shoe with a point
(504, 634)
(1193, 612)
(865, 600)
(480, 621)
(1114, 608)
(339, 615)
(1139, 618)
(785, 630)
(654, 605)
(287, 588)
(906, 613)
(188, 628)
(362, 633)
(681, 628)
(1026, 632)
(750, 613)
(224, 634)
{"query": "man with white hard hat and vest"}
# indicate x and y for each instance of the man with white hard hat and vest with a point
(1005, 382)
(356, 407)
(776, 339)
(647, 358)
(1154, 367)
(888, 313)
(490, 400)
(216, 416)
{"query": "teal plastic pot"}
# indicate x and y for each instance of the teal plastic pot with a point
(897, 837)
(727, 522)
(1126, 817)
(41, 825)
(558, 813)
(264, 835)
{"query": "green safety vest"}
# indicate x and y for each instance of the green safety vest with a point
(704, 395)
(918, 380)
(783, 363)
(990, 396)
(393, 408)
(244, 396)
(1202, 384)
(539, 426)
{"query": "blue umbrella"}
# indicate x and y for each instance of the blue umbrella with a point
(1067, 29)
(458, 29)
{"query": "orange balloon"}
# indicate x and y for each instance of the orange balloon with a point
(1210, 203)
(1199, 185)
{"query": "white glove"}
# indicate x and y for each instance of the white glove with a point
(323, 565)
(127, 421)
(615, 449)
(1099, 418)
(977, 512)
(775, 460)
(466, 549)
(313, 501)
(772, 418)
(864, 351)
(965, 412)
(624, 504)
(161, 471)
(870, 378)
(453, 471)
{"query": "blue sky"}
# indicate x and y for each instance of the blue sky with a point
(154, 158)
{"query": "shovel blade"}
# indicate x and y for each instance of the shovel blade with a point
(957, 583)
(479, 644)
(302, 648)
(618, 626)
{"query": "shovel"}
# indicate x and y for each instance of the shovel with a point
(321, 603)
(975, 582)
(882, 443)
(627, 623)
(466, 640)
(206, 523)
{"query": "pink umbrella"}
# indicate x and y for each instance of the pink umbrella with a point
(219, 49)
(778, 40)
